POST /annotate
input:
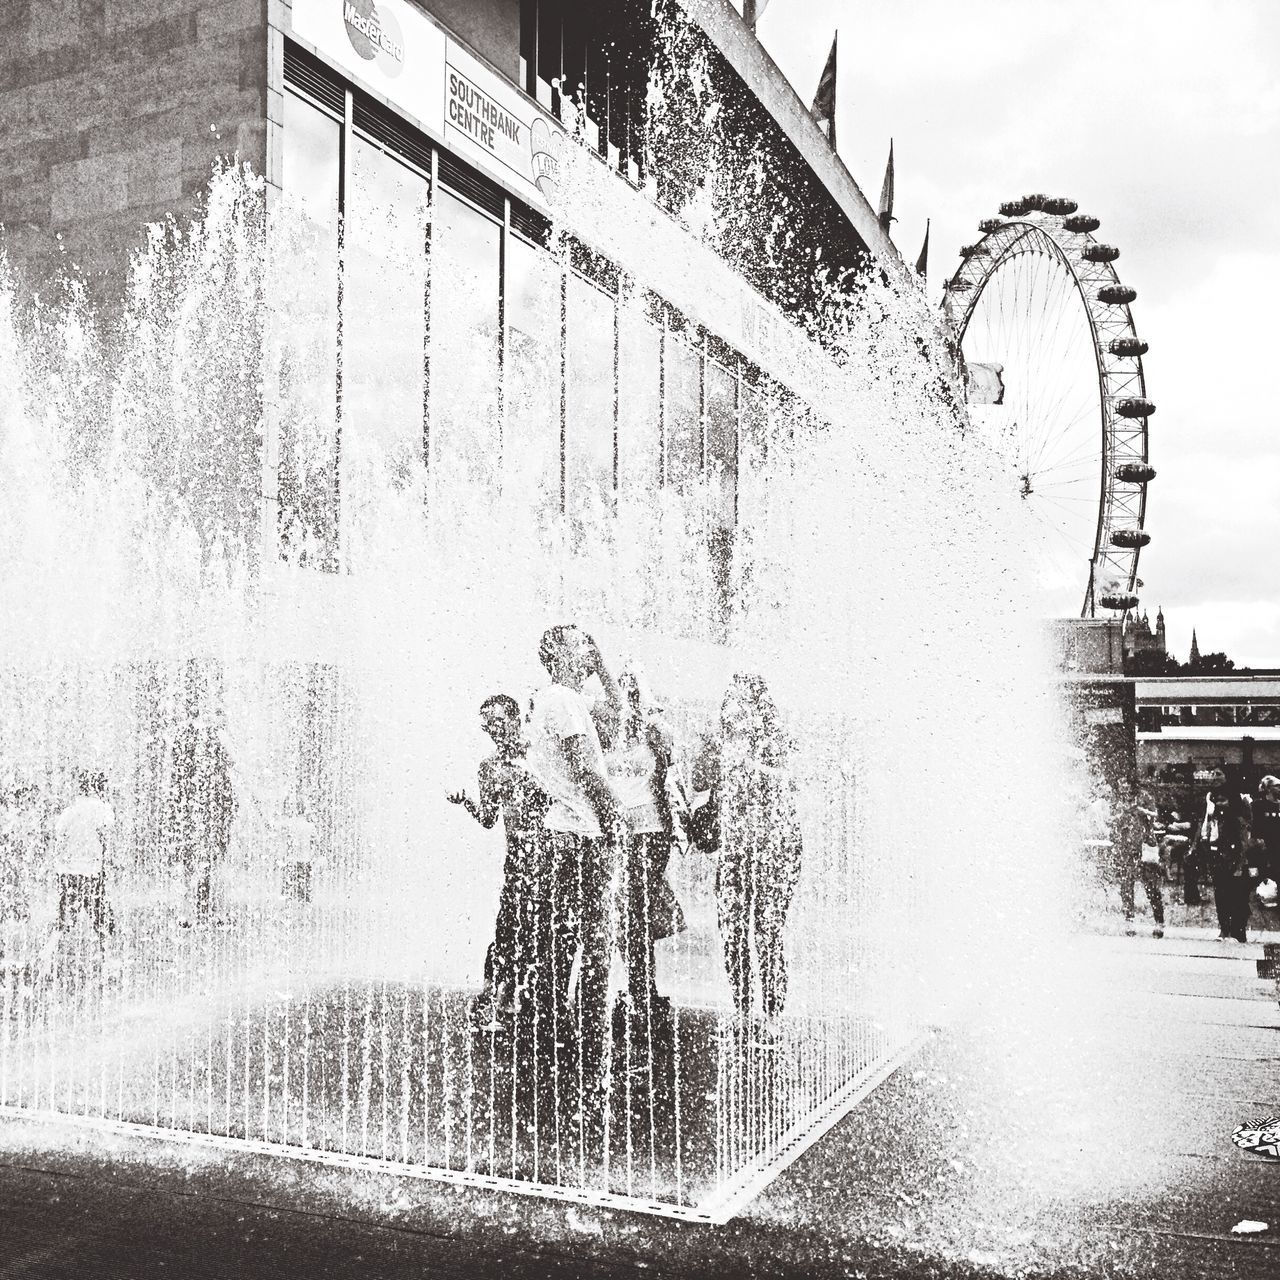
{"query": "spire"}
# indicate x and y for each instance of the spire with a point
(824, 101)
(886, 193)
(922, 262)
(1195, 648)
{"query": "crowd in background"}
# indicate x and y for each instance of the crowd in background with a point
(1226, 845)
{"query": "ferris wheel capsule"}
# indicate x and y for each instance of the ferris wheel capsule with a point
(1135, 473)
(1099, 253)
(1081, 222)
(1116, 294)
(1127, 347)
(1130, 537)
(1135, 407)
(988, 225)
(1035, 201)
(1118, 600)
(971, 250)
(1059, 205)
(1014, 208)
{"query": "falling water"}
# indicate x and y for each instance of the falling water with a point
(187, 617)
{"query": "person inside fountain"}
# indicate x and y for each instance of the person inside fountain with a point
(505, 786)
(584, 832)
(639, 762)
(749, 822)
(81, 854)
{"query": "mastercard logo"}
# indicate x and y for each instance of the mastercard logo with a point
(375, 35)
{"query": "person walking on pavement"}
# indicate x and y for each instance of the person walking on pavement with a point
(1221, 843)
(1266, 828)
(1137, 855)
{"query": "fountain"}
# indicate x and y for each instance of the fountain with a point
(236, 590)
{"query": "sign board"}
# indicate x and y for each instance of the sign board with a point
(395, 50)
(1104, 715)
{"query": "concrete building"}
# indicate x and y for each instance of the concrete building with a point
(1191, 725)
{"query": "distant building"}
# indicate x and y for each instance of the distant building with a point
(1139, 638)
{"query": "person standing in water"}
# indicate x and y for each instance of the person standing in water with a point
(584, 828)
(638, 763)
(505, 787)
(752, 826)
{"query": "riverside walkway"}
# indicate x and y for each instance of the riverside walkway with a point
(1082, 1128)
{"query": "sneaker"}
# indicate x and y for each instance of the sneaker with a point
(1158, 931)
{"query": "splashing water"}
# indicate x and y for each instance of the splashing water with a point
(280, 697)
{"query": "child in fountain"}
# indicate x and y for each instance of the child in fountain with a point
(80, 855)
(506, 787)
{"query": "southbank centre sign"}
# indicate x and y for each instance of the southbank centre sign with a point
(396, 51)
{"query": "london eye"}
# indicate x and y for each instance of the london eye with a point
(1054, 373)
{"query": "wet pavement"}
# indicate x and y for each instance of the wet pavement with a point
(1079, 1125)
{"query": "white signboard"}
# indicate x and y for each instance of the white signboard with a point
(395, 50)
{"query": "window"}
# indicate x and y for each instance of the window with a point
(384, 333)
(639, 404)
(465, 438)
(589, 395)
(683, 414)
(307, 375)
(531, 440)
(722, 444)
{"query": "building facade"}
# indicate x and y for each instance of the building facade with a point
(484, 281)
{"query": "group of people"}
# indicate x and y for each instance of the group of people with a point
(593, 799)
(1233, 842)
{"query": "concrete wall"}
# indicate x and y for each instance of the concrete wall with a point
(490, 27)
(111, 115)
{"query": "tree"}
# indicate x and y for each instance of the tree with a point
(1210, 664)
(1149, 662)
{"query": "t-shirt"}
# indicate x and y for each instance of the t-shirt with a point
(80, 830)
(560, 713)
(631, 778)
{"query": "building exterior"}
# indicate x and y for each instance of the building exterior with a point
(485, 283)
(1190, 725)
(1141, 639)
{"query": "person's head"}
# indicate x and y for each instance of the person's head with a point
(100, 784)
(500, 719)
(1217, 780)
(85, 782)
(563, 652)
(1125, 788)
(748, 712)
(1270, 787)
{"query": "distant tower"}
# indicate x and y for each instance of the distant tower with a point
(1160, 637)
(1195, 648)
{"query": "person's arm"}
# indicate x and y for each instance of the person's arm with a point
(595, 787)
(608, 718)
(486, 812)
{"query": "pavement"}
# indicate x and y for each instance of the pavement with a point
(1077, 1125)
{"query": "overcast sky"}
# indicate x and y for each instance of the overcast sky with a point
(1161, 117)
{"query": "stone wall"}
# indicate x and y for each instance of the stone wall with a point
(112, 114)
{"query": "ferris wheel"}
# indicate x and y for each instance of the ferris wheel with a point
(1054, 374)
